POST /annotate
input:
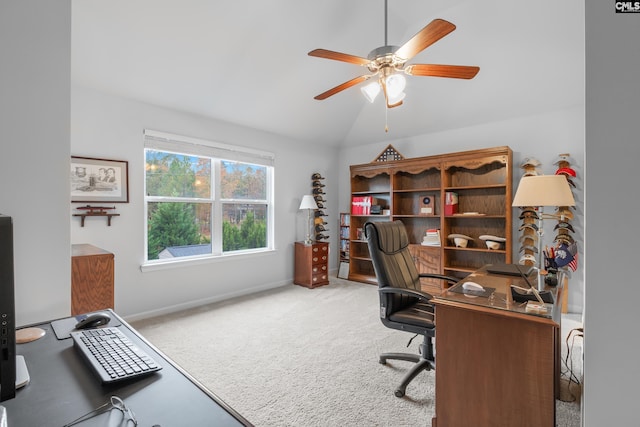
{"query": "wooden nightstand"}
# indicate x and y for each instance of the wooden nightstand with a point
(312, 264)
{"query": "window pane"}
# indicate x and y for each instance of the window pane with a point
(244, 226)
(243, 181)
(178, 229)
(177, 175)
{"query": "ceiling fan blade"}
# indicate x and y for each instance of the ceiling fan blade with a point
(452, 71)
(340, 88)
(434, 31)
(338, 56)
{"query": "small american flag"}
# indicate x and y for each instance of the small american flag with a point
(573, 264)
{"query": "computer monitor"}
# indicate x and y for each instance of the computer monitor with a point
(7, 312)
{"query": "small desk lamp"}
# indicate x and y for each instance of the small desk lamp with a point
(540, 191)
(308, 203)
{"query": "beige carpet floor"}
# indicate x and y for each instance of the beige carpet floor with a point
(299, 357)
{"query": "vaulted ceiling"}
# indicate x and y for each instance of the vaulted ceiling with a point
(246, 62)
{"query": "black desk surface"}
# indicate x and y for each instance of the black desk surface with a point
(62, 388)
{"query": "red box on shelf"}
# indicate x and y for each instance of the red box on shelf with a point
(450, 203)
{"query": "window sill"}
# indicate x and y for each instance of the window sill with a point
(188, 262)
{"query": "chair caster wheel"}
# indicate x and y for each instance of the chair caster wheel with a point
(382, 361)
(399, 393)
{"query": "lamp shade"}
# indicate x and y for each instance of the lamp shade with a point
(308, 202)
(371, 90)
(543, 190)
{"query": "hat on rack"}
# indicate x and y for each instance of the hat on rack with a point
(563, 158)
(564, 238)
(565, 225)
(565, 213)
(528, 248)
(316, 176)
(528, 239)
(566, 171)
(534, 227)
(530, 162)
(528, 257)
(529, 213)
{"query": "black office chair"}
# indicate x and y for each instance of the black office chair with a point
(403, 305)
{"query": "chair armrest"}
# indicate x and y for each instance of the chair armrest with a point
(452, 280)
(408, 292)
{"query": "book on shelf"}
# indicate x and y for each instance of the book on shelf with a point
(431, 237)
(344, 232)
(361, 205)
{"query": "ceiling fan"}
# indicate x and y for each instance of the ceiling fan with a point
(388, 64)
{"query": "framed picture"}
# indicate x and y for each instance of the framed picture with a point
(99, 180)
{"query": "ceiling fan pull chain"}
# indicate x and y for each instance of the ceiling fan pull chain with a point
(386, 121)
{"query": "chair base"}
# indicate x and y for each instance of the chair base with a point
(422, 363)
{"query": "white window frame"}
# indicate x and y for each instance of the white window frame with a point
(217, 152)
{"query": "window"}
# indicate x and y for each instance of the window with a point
(205, 199)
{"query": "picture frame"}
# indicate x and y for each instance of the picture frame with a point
(94, 180)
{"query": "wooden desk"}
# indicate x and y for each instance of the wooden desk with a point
(62, 388)
(496, 365)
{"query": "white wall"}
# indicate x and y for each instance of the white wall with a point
(611, 305)
(35, 52)
(106, 126)
(542, 136)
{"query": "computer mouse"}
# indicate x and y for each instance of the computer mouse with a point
(93, 321)
(472, 286)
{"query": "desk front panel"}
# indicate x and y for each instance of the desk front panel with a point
(493, 368)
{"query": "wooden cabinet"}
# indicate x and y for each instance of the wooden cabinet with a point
(427, 260)
(92, 277)
(311, 264)
(414, 191)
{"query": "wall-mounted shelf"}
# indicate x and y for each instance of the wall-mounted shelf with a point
(84, 215)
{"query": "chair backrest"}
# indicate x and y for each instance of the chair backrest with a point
(394, 266)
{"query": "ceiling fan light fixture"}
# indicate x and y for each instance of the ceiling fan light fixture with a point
(395, 85)
(370, 91)
(396, 99)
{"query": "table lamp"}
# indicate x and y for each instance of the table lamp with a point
(540, 191)
(308, 203)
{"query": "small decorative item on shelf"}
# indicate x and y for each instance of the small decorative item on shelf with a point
(431, 237)
(450, 203)
(460, 240)
(428, 204)
(389, 154)
(493, 242)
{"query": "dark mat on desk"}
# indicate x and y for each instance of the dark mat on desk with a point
(64, 327)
